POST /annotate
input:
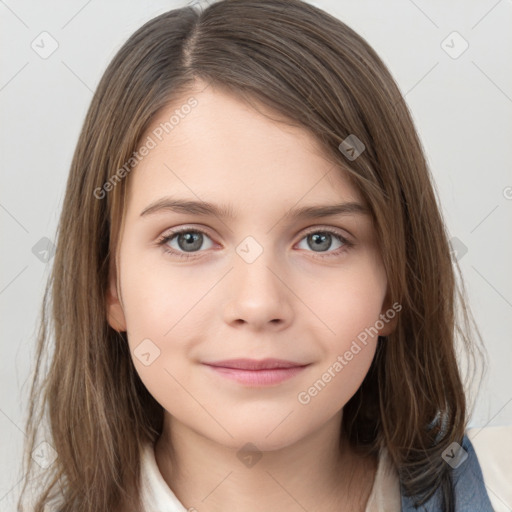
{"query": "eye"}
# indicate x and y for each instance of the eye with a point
(321, 240)
(188, 240)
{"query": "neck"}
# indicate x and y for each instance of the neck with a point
(319, 472)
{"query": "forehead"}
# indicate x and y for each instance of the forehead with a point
(211, 145)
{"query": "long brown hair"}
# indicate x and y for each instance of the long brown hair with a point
(319, 74)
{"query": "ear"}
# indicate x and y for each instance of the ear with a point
(115, 313)
(389, 316)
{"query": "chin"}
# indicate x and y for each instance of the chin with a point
(266, 438)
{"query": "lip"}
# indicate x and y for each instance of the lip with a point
(252, 372)
(255, 364)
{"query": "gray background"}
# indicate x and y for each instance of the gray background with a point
(461, 104)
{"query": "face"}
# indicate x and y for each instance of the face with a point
(262, 282)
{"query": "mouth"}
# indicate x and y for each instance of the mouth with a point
(252, 372)
(256, 364)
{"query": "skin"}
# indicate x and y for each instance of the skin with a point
(290, 303)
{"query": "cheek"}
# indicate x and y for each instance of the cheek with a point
(347, 303)
(155, 296)
(158, 330)
(347, 347)
(161, 308)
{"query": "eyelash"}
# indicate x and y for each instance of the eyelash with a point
(182, 255)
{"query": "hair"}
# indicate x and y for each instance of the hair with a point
(319, 74)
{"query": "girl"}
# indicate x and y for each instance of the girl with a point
(254, 301)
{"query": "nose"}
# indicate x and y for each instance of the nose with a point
(258, 294)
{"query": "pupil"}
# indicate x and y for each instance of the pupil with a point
(191, 241)
(321, 240)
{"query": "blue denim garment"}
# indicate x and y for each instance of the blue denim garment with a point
(470, 491)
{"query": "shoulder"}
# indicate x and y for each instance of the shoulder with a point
(472, 487)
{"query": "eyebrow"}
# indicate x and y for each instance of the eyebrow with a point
(204, 208)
